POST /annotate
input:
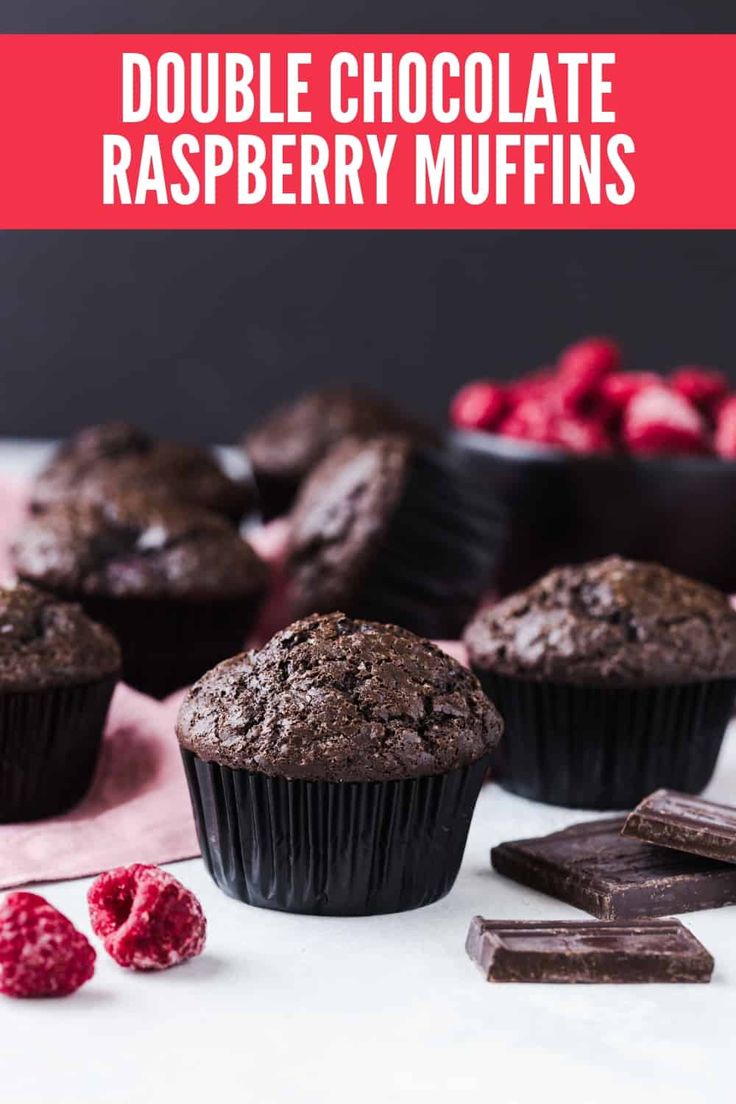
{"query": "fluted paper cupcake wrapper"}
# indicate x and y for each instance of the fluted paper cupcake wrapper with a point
(606, 748)
(332, 848)
(437, 557)
(167, 643)
(276, 494)
(49, 744)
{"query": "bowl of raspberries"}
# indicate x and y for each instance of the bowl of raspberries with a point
(590, 459)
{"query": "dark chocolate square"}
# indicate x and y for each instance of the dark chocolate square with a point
(575, 951)
(685, 823)
(593, 867)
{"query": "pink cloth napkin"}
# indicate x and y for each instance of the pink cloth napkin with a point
(137, 810)
(138, 807)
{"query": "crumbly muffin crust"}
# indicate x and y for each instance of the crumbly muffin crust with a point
(339, 518)
(46, 643)
(102, 461)
(297, 436)
(131, 546)
(335, 699)
(610, 622)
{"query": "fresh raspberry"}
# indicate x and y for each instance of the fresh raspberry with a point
(660, 421)
(725, 440)
(540, 385)
(581, 369)
(582, 435)
(542, 423)
(146, 918)
(41, 952)
(599, 355)
(619, 388)
(703, 387)
(531, 420)
(479, 405)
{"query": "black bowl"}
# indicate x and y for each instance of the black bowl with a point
(565, 508)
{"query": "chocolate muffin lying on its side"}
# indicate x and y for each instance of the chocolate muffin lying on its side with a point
(391, 532)
(178, 586)
(57, 673)
(285, 448)
(614, 677)
(336, 769)
(103, 461)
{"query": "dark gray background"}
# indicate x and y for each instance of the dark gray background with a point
(196, 334)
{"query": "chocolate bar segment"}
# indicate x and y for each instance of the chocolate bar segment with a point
(593, 867)
(686, 823)
(574, 951)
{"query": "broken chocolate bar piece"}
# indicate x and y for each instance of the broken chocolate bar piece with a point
(686, 823)
(593, 867)
(580, 951)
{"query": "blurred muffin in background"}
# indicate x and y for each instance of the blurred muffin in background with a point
(178, 587)
(395, 533)
(286, 447)
(58, 671)
(101, 461)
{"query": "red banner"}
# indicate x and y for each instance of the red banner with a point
(367, 131)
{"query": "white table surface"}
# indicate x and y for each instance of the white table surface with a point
(294, 1008)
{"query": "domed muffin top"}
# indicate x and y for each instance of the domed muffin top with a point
(334, 699)
(339, 517)
(131, 546)
(296, 437)
(609, 622)
(108, 459)
(46, 643)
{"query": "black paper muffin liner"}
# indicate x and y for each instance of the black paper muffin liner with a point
(606, 748)
(332, 848)
(276, 494)
(437, 556)
(168, 643)
(49, 745)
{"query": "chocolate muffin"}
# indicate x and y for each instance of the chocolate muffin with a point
(289, 444)
(391, 532)
(58, 670)
(614, 678)
(336, 770)
(106, 460)
(178, 586)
